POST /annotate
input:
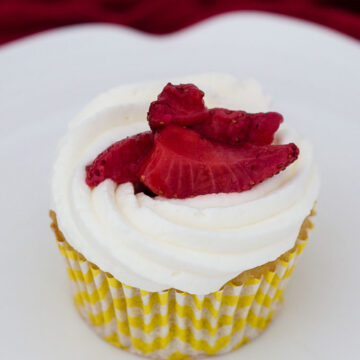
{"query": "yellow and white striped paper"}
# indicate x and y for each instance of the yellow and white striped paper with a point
(172, 324)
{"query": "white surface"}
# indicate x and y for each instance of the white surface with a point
(314, 77)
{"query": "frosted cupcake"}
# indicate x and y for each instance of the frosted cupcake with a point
(181, 220)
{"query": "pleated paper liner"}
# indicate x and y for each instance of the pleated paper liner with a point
(172, 324)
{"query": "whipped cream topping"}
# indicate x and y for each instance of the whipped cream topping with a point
(196, 244)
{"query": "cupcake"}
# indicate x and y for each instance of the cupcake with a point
(181, 212)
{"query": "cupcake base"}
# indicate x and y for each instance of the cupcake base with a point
(172, 324)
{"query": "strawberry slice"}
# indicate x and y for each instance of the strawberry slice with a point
(237, 127)
(177, 104)
(183, 164)
(263, 127)
(184, 105)
(121, 161)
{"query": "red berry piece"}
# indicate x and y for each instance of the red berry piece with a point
(225, 126)
(263, 127)
(184, 164)
(121, 161)
(177, 104)
(238, 127)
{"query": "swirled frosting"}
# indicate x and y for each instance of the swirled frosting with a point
(196, 244)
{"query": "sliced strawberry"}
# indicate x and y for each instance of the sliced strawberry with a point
(121, 161)
(177, 104)
(225, 126)
(183, 164)
(237, 127)
(264, 127)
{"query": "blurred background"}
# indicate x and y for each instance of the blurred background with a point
(19, 18)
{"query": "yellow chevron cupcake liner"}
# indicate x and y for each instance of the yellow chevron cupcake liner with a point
(173, 324)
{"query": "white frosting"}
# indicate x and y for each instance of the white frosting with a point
(194, 245)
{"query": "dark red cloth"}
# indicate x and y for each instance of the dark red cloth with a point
(23, 17)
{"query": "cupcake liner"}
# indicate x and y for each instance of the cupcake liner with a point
(172, 324)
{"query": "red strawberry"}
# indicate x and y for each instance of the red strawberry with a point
(225, 126)
(237, 127)
(183, 164)
(264, 127)
(177, 104)
(121, 161)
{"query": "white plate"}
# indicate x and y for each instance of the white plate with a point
(314, 77)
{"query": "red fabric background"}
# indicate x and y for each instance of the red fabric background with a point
(23, 17)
